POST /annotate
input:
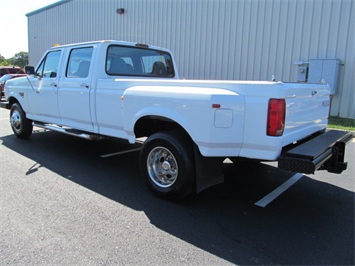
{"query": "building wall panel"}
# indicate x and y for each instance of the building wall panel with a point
(216, 39)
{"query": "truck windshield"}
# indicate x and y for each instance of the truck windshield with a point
(136, 61)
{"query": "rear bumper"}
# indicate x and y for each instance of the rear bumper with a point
(323, 152)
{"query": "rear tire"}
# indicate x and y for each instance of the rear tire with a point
(167, 165)
(21, 126)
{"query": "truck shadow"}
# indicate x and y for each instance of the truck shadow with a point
(312, 223)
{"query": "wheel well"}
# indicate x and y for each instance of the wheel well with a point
(12, 100)
(149, 125)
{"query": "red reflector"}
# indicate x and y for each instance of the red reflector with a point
(276, 117)
(216, 105)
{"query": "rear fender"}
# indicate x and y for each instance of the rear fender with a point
(162, 113)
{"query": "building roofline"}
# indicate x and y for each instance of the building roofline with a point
(61, 2)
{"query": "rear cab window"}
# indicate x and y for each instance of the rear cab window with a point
(137, 61)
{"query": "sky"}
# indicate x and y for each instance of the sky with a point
(13, 21)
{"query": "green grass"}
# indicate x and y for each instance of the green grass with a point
(341, 123)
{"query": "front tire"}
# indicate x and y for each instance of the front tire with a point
(167, 165)
(21, 126)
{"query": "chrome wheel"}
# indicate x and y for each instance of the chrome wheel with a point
(16, 122)
(162, 167)
(166, 161)
(20, 125)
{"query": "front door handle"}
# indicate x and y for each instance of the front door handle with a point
(84, 85)
(53, 84)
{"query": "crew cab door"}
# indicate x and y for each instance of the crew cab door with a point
(43, 87)
(74, 89)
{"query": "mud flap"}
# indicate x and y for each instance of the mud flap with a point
(209, 171)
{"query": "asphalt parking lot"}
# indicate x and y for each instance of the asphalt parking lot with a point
(63, 202)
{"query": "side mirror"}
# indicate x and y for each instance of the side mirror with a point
(30, 70)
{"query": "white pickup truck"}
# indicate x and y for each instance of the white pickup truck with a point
(128, 91)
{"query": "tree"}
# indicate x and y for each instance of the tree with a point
(20, 59)
(3, 61)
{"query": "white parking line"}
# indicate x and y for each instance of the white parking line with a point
(278, 191)
(118, 153)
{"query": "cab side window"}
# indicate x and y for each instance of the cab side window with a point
(79, 62)
(49, 66)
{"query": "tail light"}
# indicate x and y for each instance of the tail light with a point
(276, 117)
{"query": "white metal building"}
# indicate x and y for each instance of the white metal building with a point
(220, 39)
